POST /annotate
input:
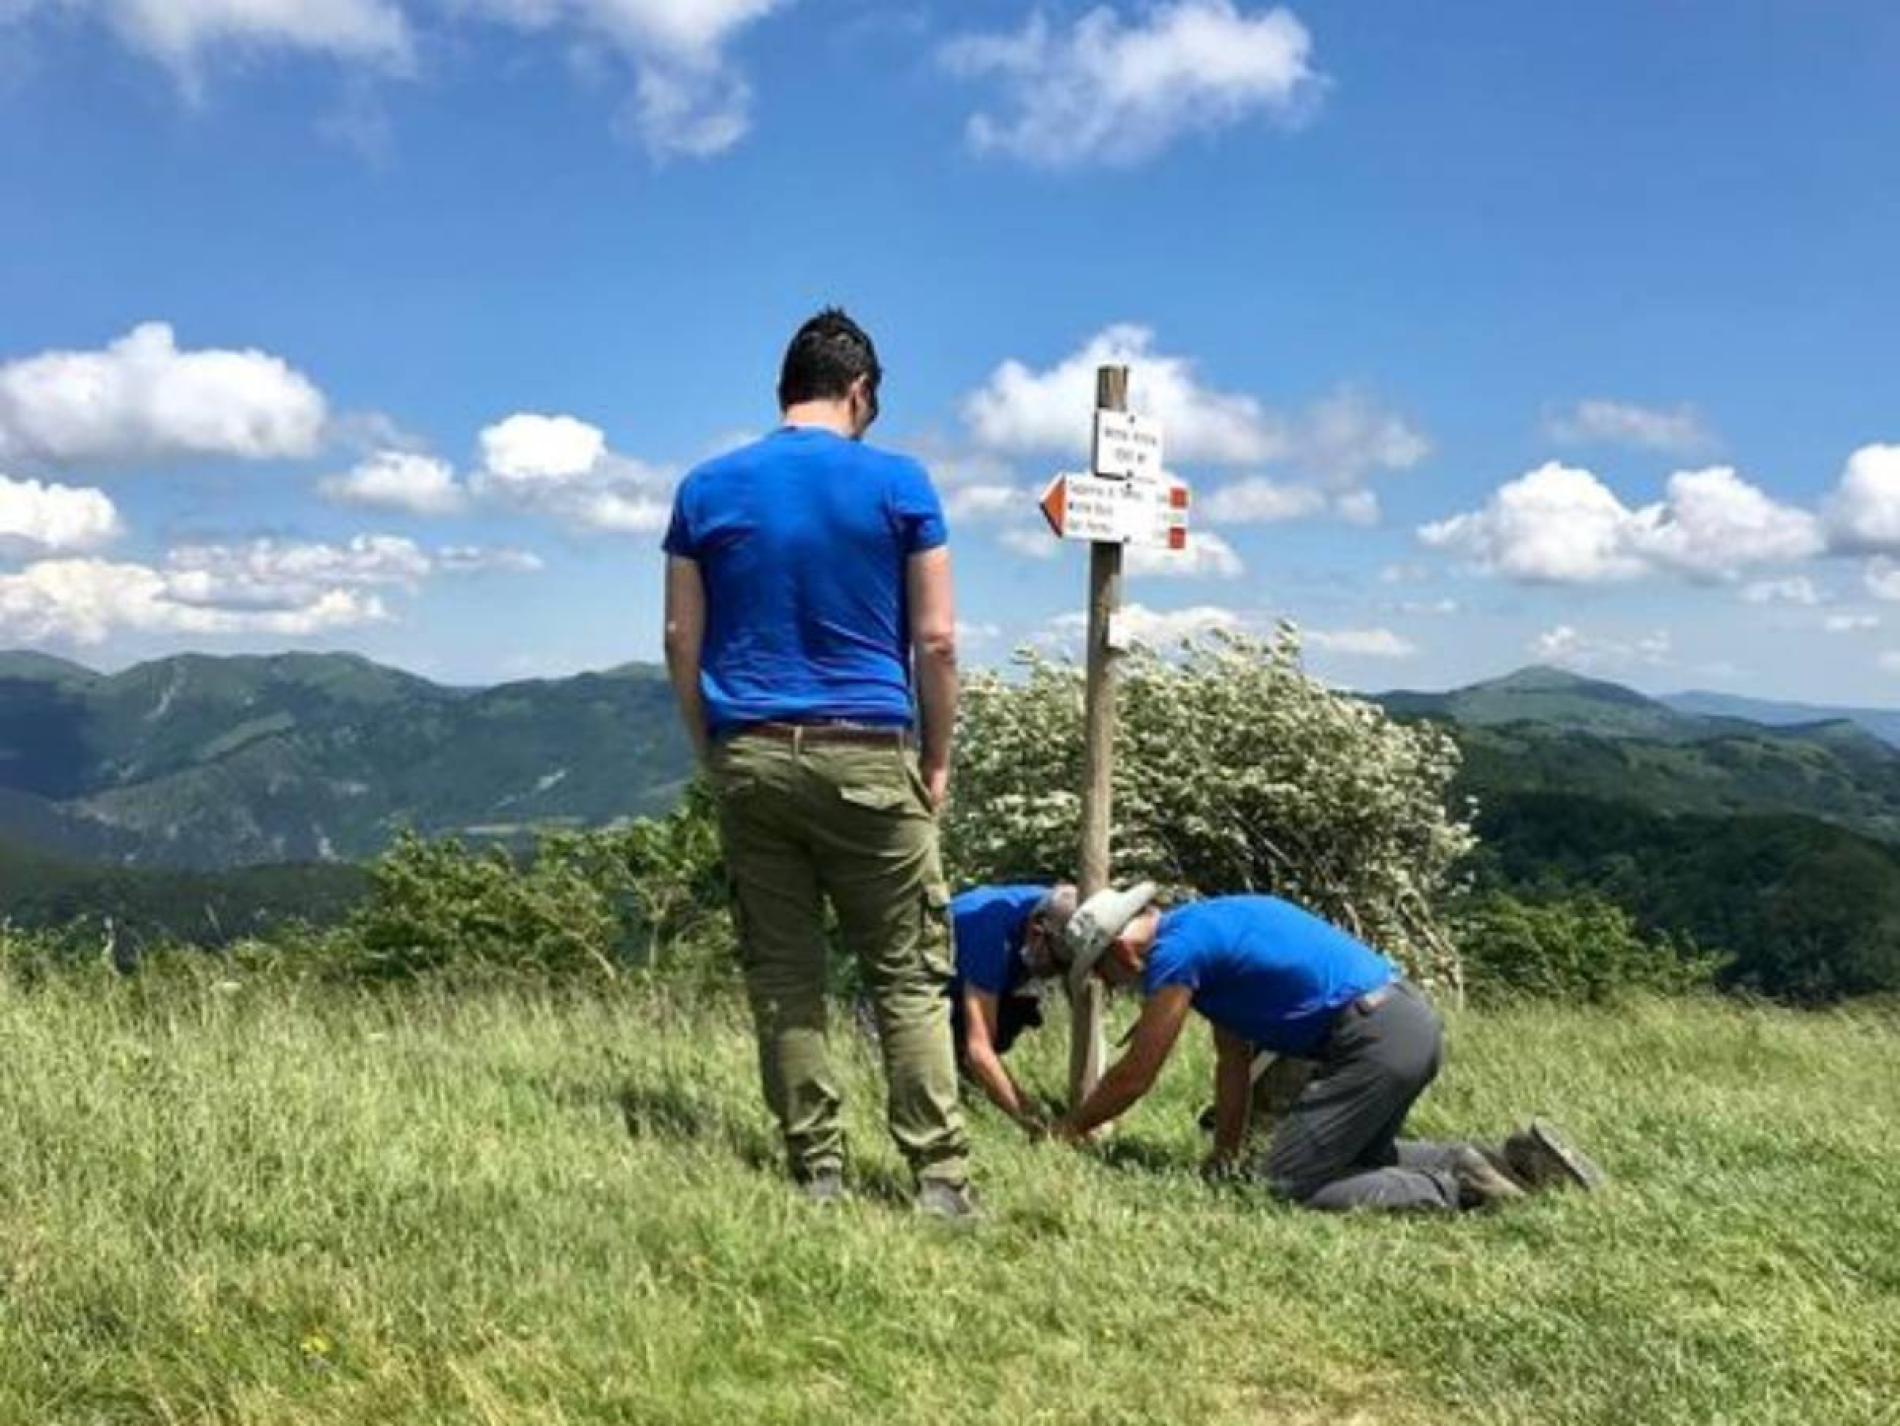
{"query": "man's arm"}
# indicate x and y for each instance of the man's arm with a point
(685, 631)
(1133, 1075)
(933, 639)
(986, 1066)
(1233, 1095)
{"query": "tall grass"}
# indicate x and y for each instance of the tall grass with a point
(264, 1204)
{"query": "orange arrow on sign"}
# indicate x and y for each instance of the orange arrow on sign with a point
(1055, 503)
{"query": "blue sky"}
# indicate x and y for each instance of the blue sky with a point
(1485, 333)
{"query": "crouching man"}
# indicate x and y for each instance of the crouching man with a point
(1270, 976)
(1008, 938)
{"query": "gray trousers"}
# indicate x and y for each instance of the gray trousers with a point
(1338, 1146)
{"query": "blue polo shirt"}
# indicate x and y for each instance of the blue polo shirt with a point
(1262, 969)
(989, 922)
(802, 540)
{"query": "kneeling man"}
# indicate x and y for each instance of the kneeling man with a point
(1270, 976)
(1007, 940)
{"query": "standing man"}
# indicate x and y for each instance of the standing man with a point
(810, 636)
(1268, 975)
(1008, 939)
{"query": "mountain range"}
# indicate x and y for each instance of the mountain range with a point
(1548, 730)
(205, 763)
(202, 762)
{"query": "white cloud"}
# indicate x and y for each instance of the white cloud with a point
(1109, 91)
(478, 559)
(1360, 643)
(1031, 543)
(38, 518)
(281, 587)
(1863, 512)
(974, 503)
(143, 399)
(1358, 507)
(613, 512)
(1157, 628)
(1715, 523)
(1797, 589)
(1678, 431)
(1338, 442)
(1882, 578)
(1207, 556)
(84, 601)
(1555, 524)
(1890, 661)
(1850, 623)
(398, 480)
(283, 574)
(1258, 501)
(529, 450)
(1559, 524)
(688, 100)
(1438, 607)
(180, 34)
(561, 468)
(1568, 646)
(1346, 438)
(1165, 628)
(1024, 411)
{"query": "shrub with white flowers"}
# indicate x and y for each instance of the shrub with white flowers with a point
(1235, 772)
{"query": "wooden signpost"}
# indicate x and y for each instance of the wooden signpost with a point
(1126, 498)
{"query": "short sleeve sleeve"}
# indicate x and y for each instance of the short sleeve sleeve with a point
(1173, 960)
(680, 537)
(917, 510)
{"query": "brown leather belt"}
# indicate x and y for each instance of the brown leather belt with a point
(797, 733)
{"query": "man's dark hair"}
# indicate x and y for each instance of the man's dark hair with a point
(829, 353)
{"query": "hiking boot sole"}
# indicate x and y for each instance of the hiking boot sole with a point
(1542, 1156)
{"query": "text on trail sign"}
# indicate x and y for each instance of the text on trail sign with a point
(1126, 445)
(1139, 510)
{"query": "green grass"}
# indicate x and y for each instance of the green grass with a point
(276, 1205)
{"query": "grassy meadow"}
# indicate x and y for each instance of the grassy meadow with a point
(282, 1205)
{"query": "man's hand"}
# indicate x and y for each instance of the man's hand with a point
(1220, 1168)
(685, 631)
(1063, 1131)
(937, 784)
(933, 639)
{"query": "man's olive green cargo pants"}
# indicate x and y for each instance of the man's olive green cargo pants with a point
(810, 817)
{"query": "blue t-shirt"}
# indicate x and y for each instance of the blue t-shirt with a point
(1263, 969)
(802, 540)
(989, 922)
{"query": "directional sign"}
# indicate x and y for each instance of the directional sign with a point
(1126, 445)
(1141, 510)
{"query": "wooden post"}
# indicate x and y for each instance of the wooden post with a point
(1087, 1044)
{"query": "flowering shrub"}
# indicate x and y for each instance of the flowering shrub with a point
(1235, 772)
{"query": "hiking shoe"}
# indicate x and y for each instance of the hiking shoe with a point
(1479, 1184)
(950, 1202)
(1541, 1157)
(825, 1188)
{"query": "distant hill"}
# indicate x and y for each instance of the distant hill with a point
(1552, 697)
(206, 908)
(196, 761)
(1805, 909)
(1545, 730)
(1883, 723)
